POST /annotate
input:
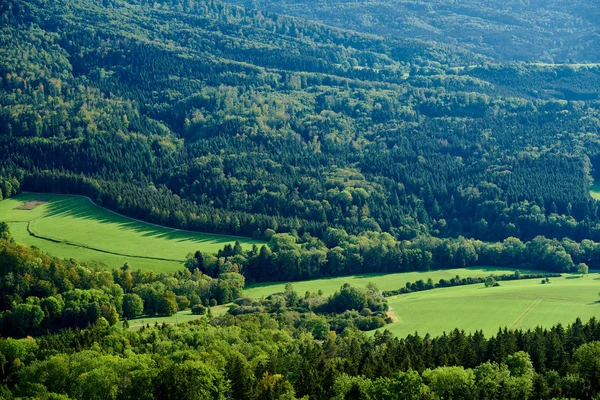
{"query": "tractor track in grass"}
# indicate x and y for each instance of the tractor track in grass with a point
(524, 313)
(140, 220)
(83, 246)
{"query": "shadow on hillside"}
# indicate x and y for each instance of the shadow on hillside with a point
(82, 209)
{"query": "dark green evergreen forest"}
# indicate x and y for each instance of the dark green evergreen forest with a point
(353, 137)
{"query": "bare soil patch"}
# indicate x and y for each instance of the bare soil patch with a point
(393, 316)
(31, 204)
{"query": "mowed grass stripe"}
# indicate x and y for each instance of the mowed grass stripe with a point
(90, 233)
(524, 313)
(523, 304)
(74, 244)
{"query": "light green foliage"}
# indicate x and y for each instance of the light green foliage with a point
(405, 385)
(318, 326)
(192, 380)
(513, 380)
(133, 305)
(352, 387)
(454, 383)
(588, 363)
(87, 233)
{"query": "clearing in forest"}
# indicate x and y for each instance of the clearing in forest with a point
(595, 191)
(73, 227)
(523, 304)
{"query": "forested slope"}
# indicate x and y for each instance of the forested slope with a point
(541, 30)
(206, 116)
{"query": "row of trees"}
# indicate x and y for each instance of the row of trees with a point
(348, 308)
(287, 257)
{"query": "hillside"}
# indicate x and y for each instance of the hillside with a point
(541, 30)
(208, 117)
(161, 157)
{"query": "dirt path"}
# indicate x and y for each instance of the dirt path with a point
(524, 313)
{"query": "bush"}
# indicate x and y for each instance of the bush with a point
(490, 281)
(582, 268)
(199, 309)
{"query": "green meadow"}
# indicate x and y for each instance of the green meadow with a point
(523, 304)
(73, 227)
(383, 281)
(595, 191)
(178, 318)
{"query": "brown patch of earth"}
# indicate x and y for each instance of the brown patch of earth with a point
(392, 316)
(31, 204)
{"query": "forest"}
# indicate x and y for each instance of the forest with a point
(352, 138)
(238, 121)
(510, 30)
(286, 346)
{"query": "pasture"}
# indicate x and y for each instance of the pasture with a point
(595, 191)
(180, 317)
(383, 281)
(523, 304)
(73, 227)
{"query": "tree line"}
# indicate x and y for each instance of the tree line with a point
(41, 293)
(287, 257)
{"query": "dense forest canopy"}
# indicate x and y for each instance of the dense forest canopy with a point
(208, 116)
(286, 346)
(352, 137)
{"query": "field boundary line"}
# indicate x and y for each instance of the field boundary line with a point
(525, 312)
(49, 239)
(146, 222)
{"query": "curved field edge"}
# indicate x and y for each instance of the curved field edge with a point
(73, 227)
(523, 304)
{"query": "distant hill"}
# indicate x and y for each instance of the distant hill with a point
(539, 30)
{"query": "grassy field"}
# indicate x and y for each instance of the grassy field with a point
(595, 191)
(383, 281)
(523, 304)
(179, 318)
(79, 229)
